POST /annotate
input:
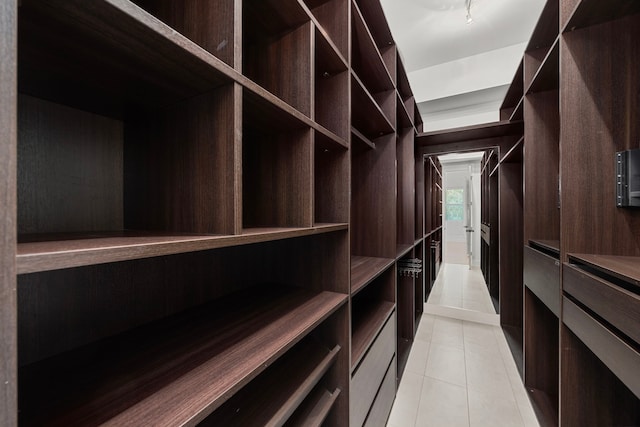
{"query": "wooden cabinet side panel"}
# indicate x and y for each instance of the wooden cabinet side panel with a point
(8, 147)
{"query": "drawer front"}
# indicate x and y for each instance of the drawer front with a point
(621, 359)
(542, 276)
(384, 400)
(369, 375)
(616, 305)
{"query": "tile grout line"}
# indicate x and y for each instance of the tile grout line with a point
(466, 376)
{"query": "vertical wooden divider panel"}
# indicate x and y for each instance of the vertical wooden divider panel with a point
(599, 117)
(238, 107)
(8, 216)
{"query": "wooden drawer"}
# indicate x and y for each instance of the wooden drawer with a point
(371, 372)
(617, 355)
(381, 408)
(613, 303)
(541, 274)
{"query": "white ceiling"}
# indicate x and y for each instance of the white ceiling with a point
(430, 32)
(453, 65)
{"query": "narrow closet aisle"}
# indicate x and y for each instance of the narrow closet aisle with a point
(460, 370)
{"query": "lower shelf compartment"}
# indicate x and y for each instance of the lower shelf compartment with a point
(369, 375)
(367, 322)
(178, 370)
(275, 395)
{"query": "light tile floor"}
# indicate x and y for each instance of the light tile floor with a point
(460, 371)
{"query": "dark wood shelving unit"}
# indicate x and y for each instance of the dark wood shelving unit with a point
(542, 289)
(154, 161)
(581, 288)
(186, 351)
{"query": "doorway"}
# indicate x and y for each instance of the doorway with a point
(461, 208)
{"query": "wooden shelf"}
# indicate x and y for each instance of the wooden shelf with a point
(592, 12)
(552, 246)
(274, 396)
(49, 252)
(374, 15)
(403, 119)
(366, 59)
(626, 268)
(366, 114)
(491, 130)
(365, 269)
(358, 137)
(175, 371)
(314, 409)
(514, 155)
(542, 406)
(548, 75)
(402, 250)
(518, 111)
(277, 113)
(147, 64)
(367, 320)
